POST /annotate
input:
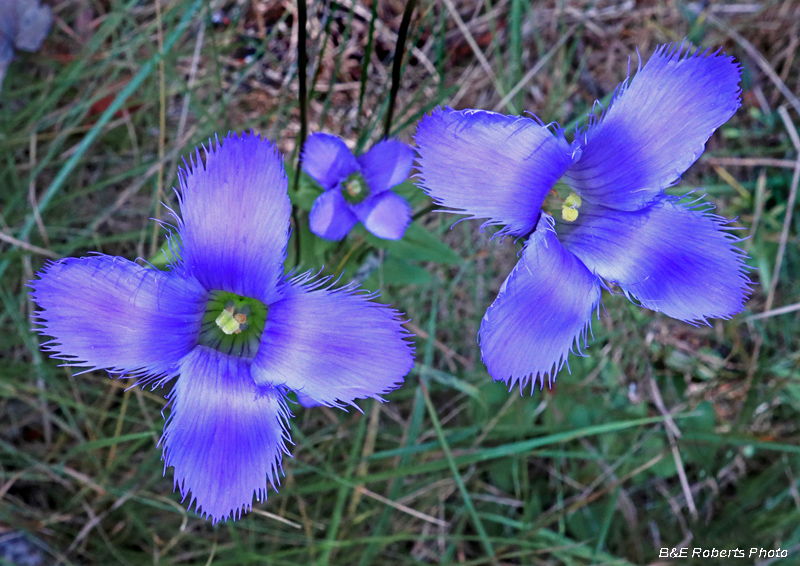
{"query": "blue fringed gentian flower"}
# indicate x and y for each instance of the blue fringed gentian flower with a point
(609, 220)
(226, 321)
(358, 189)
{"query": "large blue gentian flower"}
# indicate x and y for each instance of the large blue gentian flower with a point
(358, 189)
(616, 225)
(229, 324)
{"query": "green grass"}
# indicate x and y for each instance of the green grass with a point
(455, 469)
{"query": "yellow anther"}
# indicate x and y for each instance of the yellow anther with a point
(230, 321)
(569, 214)
(569, 210)
(226, 322)
(573, 201)
(353, 187)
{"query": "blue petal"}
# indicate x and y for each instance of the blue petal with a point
(330, 217)
(225, 436)
(110, 313)
(544, 308)
(235, 212)
(328, 160)
(656, 127)
(332, 345)
(387, 164)
(33, 24)
(680, 260)
(488, 165)
(6, 56)
(386, 216)
(307, 402)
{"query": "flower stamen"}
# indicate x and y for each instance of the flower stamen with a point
(569, 210)
(233, 324)
(355, 188)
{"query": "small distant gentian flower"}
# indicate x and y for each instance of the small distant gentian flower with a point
(616, 225)
(358, 189)
(225, 320)
(23, 25)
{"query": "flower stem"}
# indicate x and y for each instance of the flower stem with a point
(399, 50)
(302, 63)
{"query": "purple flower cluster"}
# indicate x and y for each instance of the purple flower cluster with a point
(239, 334)
(615, 227)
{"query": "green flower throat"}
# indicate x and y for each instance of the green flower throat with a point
(564, 198)
(233, 324)
(355, 188)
